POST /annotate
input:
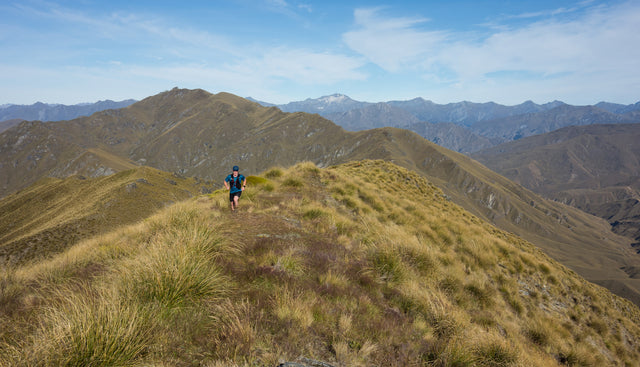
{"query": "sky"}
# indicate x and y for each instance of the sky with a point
(278, 51)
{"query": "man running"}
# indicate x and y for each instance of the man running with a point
(235, 183)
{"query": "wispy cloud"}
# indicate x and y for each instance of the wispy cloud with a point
(593, 44)
(141, 45)
(392, 43)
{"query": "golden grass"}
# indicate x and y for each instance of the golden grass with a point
(356, 265)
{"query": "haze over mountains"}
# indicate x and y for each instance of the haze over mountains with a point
(195, 133)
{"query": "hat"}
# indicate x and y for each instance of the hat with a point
(236, 168)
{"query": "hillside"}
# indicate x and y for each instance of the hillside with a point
(595, 168)
(53, 214)
(360, 264)
(198, 134)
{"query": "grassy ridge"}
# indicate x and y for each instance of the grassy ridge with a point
(356, 265)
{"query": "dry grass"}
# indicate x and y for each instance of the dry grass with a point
(357, 265)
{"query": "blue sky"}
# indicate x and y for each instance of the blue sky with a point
(579, 52)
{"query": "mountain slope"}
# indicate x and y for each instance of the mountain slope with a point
(451, 136)
(198, 134)
(53, 214)
(361, 264)
(580, 241)
(372, 116)
(595, 168)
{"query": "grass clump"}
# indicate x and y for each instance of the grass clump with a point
(274, 173)
(292, 182)
(314, 214)
(178, 265)
(87, 330)
(538, 334)
(495, 353)
(172, 277)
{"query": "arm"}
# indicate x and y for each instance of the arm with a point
(244, 184)
(226, 184)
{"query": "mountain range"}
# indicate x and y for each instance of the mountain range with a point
(480, 123)
(11, 115)
(198, 134)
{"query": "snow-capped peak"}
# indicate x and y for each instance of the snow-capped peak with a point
(334, 98)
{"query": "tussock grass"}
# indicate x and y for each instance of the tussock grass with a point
(88, 329)
(357, 265)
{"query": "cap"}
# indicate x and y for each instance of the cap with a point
(236, 168)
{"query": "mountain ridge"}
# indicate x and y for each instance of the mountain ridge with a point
(195, 133)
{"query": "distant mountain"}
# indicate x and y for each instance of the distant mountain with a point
(595, 168)
(517, 127)
(334, 103)
(56, 112)
(467, 113)
(451, 136)
(372, 116)
(490, 121)
(195, 133)
(419, 109)
(265, 104)
(618, 108)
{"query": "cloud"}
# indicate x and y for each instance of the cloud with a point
(135, 40)
(391, 43)
(303, 67)
(591, 45)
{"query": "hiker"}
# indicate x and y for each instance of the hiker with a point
(235, 183)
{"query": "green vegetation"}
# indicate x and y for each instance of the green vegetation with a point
(360, 264)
